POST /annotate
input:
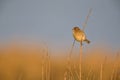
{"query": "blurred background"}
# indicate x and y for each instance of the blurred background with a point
(51, 21)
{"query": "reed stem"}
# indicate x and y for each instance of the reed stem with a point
(80, 64)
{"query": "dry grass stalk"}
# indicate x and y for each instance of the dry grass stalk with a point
(101, 71)
(69, 72)
(113, 75)
(70, 54)
(43, 63)
(80, 63)
(76, 71)
(89, 74)
(101, 68)
(72, 74)
(20, 75)
(49, 64)
(65, 75)
(46, 65)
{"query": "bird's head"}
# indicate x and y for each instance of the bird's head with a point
(76, 28)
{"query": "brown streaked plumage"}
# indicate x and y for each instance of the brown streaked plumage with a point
(79, 35)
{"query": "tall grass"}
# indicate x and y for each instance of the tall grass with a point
(32, 63)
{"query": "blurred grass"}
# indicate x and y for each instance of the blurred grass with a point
(27, 61)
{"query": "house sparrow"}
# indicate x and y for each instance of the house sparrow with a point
(79, 35)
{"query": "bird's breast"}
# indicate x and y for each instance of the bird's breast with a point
(79, 36)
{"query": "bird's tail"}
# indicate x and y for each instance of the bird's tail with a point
(86, 40)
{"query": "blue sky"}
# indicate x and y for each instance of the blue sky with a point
(52, 21)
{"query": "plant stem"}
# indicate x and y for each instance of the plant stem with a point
(80, 64)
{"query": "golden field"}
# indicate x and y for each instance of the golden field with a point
(35, 62)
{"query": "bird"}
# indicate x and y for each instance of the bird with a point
(79, 35)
